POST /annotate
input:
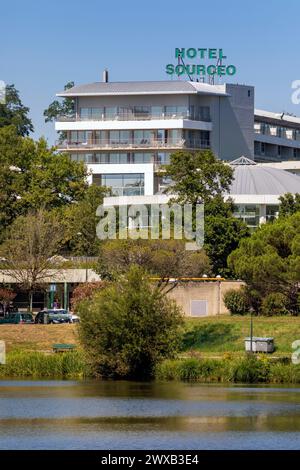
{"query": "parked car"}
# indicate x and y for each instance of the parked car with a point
(58, 315)
(17, 317)
(75, 318)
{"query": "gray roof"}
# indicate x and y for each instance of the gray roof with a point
(143, 88)
(254, 179)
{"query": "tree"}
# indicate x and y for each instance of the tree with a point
(222, 235)
(33, 176)
(289, 204)
(30, 243)
(269, 260)
(164, 258)
(197, 177)
(61, 108)
(85, 291)
(6, 297)
(200, 177)
(129, 327)
(274, 304)
(80, 222)
(13, 112)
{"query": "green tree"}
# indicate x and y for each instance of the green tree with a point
(57, 108)
(197, 177)
(33, 176)
(80, 222)
(222, 235)
(289, 204)
(269, 260)
(129, 327)
(30, 243)
(164, 258)
(13, 112)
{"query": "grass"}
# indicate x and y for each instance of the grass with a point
(226, 333)
(37, 337)
(245, 369)
(69, 365)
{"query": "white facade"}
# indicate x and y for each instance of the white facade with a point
(125, 131)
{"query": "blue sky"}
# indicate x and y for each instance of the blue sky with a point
(44, 44)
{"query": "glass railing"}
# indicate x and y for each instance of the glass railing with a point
(141, 143)
(133, 117)
(127, 191)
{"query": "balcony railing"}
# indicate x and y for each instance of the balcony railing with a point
(133, 117)
(127, 191)
(134, 144)
(289, 134)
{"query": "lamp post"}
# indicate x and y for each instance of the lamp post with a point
(251, 329)
(80, 234)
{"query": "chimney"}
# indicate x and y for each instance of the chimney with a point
(105, 76)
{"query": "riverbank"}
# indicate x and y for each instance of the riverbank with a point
(72, 365)
(211, 336)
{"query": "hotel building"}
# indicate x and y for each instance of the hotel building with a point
(124, 131)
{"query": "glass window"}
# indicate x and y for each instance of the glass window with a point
(110, 112)
(84, 113)
(124, 137)
(142, 112)
(97, 113)
(157, 111)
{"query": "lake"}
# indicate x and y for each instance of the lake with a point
(147, 415)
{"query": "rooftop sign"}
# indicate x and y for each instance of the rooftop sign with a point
(200, 69)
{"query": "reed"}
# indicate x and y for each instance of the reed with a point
(39, 365)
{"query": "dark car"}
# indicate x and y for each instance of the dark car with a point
(17, 317)
(58, 315)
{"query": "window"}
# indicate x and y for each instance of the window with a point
(124, 184)
(262, 148)
(110, 112)
(157, 111)
(142, 112)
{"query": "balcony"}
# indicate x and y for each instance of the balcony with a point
(275, 131)
(135, 117)
(135, 144)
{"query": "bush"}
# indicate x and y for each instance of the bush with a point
(236, 301)
(128, 327)
(274, 304)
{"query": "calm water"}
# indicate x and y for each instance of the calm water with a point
(131, 415)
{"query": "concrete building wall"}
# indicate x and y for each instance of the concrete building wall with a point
(211, 292)
(236, 115)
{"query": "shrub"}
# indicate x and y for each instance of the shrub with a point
(128, 327)
(236, 301)
(274, 304)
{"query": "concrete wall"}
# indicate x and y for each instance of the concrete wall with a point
(210, 291)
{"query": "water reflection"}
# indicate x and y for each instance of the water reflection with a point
(120, 414)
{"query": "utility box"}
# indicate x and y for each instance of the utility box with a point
(265, 345)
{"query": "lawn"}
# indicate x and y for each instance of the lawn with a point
(227, 333)
(37, 337)
(210, 336)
